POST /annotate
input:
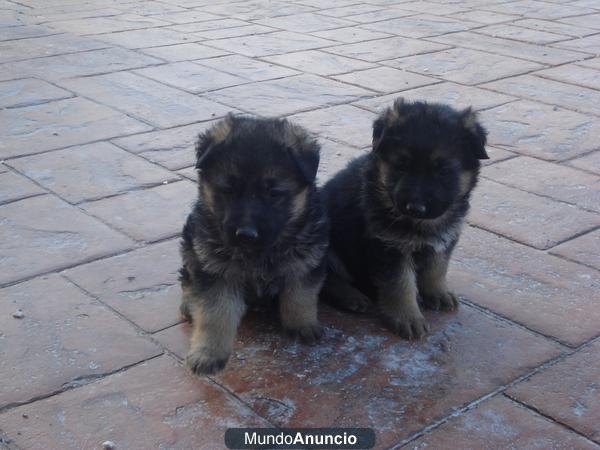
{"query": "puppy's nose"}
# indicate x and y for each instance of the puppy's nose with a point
(415, 208)
(248, 233)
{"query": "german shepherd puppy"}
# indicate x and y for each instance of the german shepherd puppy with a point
(257, 232)
(397, 212)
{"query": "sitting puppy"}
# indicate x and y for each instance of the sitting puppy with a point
(257, 232)
(396, 213)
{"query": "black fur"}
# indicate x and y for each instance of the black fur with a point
(259, 226)
(403, 204)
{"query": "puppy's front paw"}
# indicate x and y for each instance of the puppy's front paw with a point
(309, 334)
(409, 326)
(443, 301)
(205, 361)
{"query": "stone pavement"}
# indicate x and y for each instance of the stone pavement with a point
(100, 102)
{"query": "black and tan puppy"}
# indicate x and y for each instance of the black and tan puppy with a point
(258, 232)
(396, 213)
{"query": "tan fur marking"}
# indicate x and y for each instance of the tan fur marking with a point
(432, 279)
(207, 196)
(400, 297)
(298, 304)
(221, 131)
(215, 319)
(464, 181)
(299, 204)
(470, 121)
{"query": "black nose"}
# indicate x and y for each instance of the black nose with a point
(415, 208)
(246, 233)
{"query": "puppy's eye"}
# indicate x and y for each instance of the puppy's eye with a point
(441, 167)
(276, 193)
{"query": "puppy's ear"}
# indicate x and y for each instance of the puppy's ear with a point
(391, 117)
(208, 141)
(477, 136)
(303, 149)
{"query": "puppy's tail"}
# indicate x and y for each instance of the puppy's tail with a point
(338, 289)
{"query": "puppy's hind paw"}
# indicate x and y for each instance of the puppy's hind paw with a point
(443, 301)
(309, 334)
(205, 361)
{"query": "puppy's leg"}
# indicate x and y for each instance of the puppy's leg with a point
(298, 308)
(216, 314)
(398, 302)
(432, 284)
(340, 293)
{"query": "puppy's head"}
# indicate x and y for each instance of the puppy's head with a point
(427, 156)
(256, 176)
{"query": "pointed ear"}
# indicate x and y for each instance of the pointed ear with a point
(208, 141)
(378, 132)
(303, 148)
(307, 160)
(476, 134)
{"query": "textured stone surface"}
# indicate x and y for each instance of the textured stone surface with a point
(15, 187)
(149, 214)
(76, 64)
(91, 172)
(305, 22)
(248, 68)
(465, 66)
(149, 37)
(184, 52)
(572, 97)
(382, 49)
(27, 92)
(537, 53)
(376, 380)
(269, 44)
(501, 423)
(45, 46)
(583, 249)
(522, 34)
(573, 74)
(386, 79)
(422, 25)
(346, 124)
(109, 24)
(288, 95)
(43, 233)
(53, 125)
(65, 336)
(142, 285)
(547, 294)
(172, 148)
(317, 62)
(542, 131)
(567, 391)
(549, 179)
(453, 94)
(590, 162)
(152, 405)
(191, 77)
(527, 218)
(148, 100)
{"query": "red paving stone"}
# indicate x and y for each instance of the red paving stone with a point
(368, 376)
(500, 423)
(101, 104)
(153, 405)
(568, 391)
(64, 336)
(549, 295)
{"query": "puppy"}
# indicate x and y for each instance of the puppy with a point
(258, 232)
(396, 213)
